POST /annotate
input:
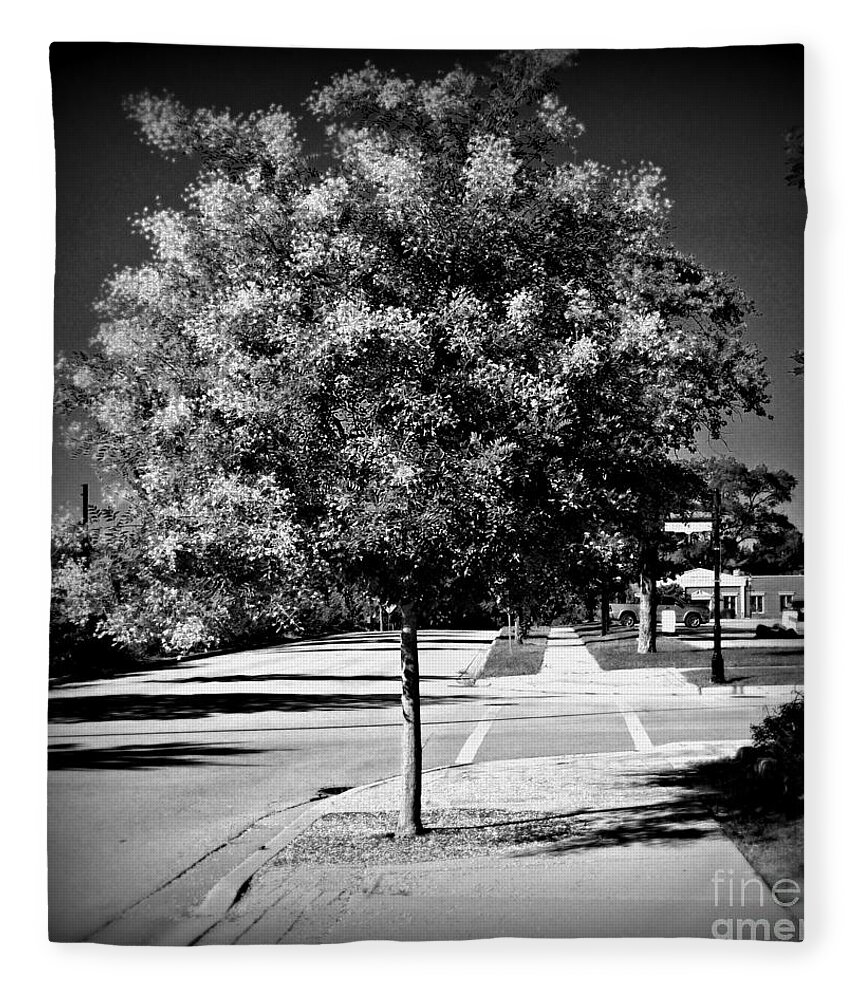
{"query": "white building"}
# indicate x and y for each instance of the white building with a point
(698, 585)
(742, 596)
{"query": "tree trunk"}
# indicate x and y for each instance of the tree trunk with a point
(518, 627)
(648, 601)
(604, 607)
(409, 822)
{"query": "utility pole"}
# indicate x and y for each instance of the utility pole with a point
(718, 673)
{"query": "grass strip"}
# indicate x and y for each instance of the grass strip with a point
(760, 676)
(515, 659)
(621, 654)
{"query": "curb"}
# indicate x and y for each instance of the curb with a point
(484, 655)
(749, 690)
(227, 891)
(474, 669)
(201, 918)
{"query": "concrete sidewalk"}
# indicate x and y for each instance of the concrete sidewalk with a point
(570, 668)
(647, 860)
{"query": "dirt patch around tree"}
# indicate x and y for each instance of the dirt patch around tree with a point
(367, 838)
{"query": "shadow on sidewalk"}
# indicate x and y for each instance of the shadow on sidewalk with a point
(662, 822)
(731, 787)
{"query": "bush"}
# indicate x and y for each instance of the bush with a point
(780, 736)
(326, 612)
(574, 613)
(672, 592)
(78, 652)
(81, 590)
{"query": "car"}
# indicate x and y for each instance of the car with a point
(690, 615)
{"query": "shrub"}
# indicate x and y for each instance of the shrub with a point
(672, 592)
(780, 735)
(81, 591)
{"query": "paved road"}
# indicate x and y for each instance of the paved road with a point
(183, 770)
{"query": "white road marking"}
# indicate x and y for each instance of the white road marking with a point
(641, 739)
(473, 744)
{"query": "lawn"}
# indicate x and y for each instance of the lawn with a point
(525, 658)
(618, 652)
(746, 674)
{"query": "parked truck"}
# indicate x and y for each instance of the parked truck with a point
(690, 615)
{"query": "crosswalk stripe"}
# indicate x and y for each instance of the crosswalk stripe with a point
(641, 739)
(473, 744)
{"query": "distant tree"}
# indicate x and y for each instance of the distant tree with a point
(752, 497)
(441, 355)
(671, 486)
(606, 561)
(84, 586)
(775, 552)
(121, 596)
(755, 530)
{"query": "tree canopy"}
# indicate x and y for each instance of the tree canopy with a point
(452, 338)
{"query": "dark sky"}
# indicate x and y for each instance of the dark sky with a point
(714, 119)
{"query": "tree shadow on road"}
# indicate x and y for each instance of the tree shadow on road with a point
(163, 707)
(373, 643)
(141, 756)
(365, 642)
(316, 678)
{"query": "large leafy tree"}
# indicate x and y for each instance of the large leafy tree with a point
(439, 354)
(756, 531)
(751, 497)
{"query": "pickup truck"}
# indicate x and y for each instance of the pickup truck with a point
(691, 615)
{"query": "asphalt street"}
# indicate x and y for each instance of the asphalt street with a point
(160, 780)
